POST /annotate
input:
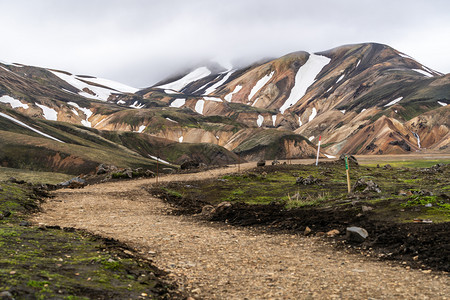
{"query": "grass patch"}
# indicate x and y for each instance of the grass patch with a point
(33, 176)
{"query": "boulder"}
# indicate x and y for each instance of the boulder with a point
(275, 162)
(356, 234)
(190, 164)
(5, 295)
(307, 231)
(363, 185)
(261, 163)
(307, 181)
(149, 173)
(102, 169)
(74, 183)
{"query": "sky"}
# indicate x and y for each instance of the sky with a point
(140, 42)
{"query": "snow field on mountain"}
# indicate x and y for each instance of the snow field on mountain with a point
(442, 103)
(394, 101)
(101, 94)
(304, 78)
(86, 111)
(214, 87)
(260, 84)
(179, 84)
(48, 113)
(229, 96)
(136, 105)
(274, 120)
(13, 102)
(29, 127)
(199, 106)
(340, 78)
(178, 103)
(120, 87)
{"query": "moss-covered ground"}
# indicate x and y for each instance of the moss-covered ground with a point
(54, 263)
(404, 191)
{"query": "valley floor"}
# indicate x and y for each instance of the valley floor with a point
(216, 261)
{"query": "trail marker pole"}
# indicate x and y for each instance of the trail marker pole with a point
(348, 174)
(318, 150)
(157, 168)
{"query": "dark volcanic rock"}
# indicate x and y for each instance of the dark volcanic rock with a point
(261, 163)
(365, 186)
(190, 164)
(402, 144)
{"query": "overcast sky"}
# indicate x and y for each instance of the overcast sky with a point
(140, 42)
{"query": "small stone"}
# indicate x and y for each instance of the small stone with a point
(12, 272)
(144, 294)
(366, 208)
(197, 291)
(416, 258)
(24, 223)
(333, 233)
(426, 271)
(307, 231)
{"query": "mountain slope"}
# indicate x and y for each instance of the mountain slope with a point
(362, 99)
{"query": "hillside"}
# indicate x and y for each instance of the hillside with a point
(361, 99)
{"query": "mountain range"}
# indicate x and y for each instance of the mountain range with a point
(360, 99)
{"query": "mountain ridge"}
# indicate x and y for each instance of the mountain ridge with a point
(337, 94)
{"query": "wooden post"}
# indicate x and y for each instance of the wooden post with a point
(348, 174)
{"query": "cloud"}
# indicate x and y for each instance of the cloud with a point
(140, 42)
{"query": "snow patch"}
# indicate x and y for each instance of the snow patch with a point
(187, 79)
(216, 99)
(254, 103)
(311, 138)
(329, 90)
(178, 102)
(6, 69)
(180, 139)
(212, 88)
(304, 78)
(199, 106)
(394, 101)
(423, 72)
(418, 139)
(121, 102)
(170, 92)
(159, 159)
(86, 111)
(169, 119)
(363, 110)
(260, 84)
(313, 114)
(29, 127)
(75, 111)
(343, 111)
(442, 103)
(274, 120)
(136, 105)
(13, 102)
(48, 113)
(260, 120)
(299, 122)
(230, 95)
(340, 78)
(329, 156)
(357, 64)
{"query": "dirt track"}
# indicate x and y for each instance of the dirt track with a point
(215, 261)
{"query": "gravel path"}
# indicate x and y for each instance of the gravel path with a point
(216, 261)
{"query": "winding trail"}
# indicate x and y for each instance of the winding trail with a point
(216, 261)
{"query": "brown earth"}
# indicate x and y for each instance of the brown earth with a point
(219, 261)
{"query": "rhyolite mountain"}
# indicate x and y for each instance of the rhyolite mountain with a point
(361, 99)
